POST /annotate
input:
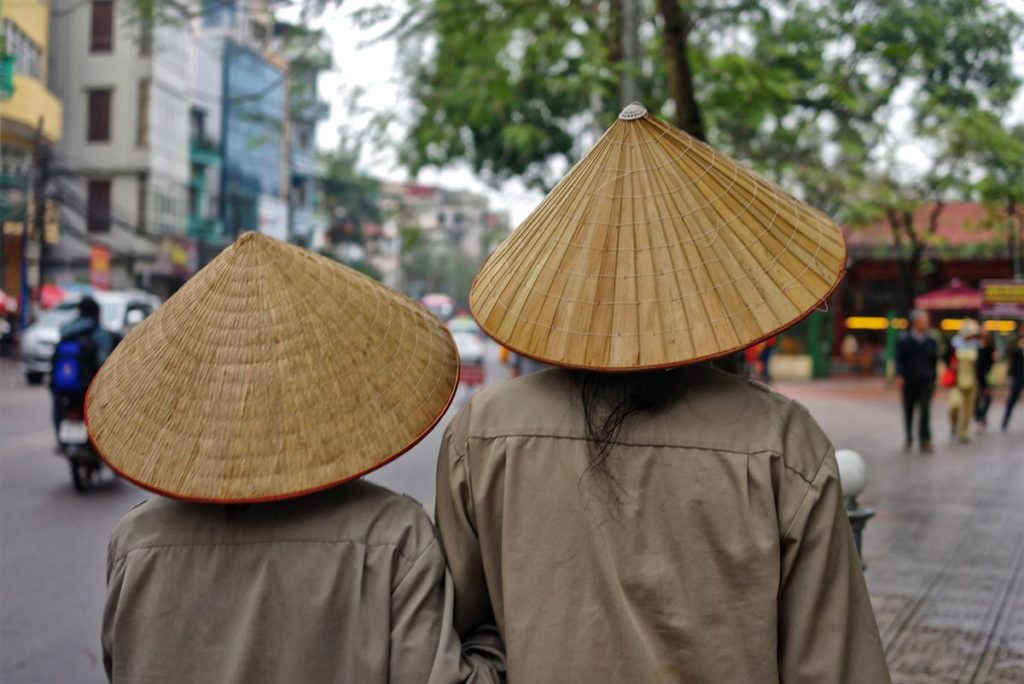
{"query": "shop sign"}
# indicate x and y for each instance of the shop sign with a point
(99, 267)
(180, 256)
(1002, 298)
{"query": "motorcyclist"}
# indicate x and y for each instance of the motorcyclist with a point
(95, 345)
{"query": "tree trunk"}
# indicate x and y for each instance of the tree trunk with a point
(680, 77)
(902, 223)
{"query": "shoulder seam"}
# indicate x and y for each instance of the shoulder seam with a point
(655, 445)
(148, 547)
(810, 488)
(415, 561)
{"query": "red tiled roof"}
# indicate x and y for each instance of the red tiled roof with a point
(960, 224)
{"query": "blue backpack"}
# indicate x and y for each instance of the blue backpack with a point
(74, 364)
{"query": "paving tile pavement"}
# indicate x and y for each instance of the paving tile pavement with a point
(945, 552)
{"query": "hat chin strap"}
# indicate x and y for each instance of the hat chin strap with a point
(634, 110)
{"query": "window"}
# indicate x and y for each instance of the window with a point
(99, 206)
(142, 115)
(198, 123)
(218, 13)
(146, 37)
(142, 198)
(28, 60)
(102, 36)
(98, 123)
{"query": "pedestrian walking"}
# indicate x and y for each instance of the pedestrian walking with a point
(917, 356)
(247, 402)
(635, 515)
(986, 359)
(962, 358)
(1015, 374)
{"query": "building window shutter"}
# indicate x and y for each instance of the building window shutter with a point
(99, 206)
(142, 115)
(143, 200)
(99, 115)
(102, 36)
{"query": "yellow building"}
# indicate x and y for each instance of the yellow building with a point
(26, 106)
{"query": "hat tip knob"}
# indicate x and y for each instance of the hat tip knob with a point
(634, 110)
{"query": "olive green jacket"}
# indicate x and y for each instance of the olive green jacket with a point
(711, 548)
(348, 585)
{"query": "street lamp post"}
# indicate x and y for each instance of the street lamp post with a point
(853, 477)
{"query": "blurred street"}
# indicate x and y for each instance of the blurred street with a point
(53, 565)
(945, 553)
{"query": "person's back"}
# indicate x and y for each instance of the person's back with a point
(250, 593)
(254, 402)
(711, 545)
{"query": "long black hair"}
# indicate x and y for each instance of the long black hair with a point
(608, 400)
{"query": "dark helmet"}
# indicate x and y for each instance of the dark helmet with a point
(88, 308)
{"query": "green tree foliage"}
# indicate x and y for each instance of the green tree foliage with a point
(807, 91)
(350, 198)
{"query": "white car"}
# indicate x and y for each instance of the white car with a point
(119, 313)
(471, 348)
(468, 340)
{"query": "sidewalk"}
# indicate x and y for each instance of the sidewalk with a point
(945, 552)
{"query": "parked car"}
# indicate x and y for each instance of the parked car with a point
(119, 313)
(468, 339)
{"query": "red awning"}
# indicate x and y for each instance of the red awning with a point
(954, 297)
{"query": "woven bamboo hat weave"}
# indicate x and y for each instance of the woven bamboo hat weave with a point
(655, 251)
(274, 372)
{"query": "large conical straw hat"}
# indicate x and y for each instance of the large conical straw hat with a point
(272, 373)
(655, 251)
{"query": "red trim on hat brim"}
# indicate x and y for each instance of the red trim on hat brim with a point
(289, 495)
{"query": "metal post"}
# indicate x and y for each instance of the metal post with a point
(859, 516)
(25, 305)
(890, 346)
(42, 159)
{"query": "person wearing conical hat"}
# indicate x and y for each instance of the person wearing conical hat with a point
(636, 515)
(247, 401)
(962, 355)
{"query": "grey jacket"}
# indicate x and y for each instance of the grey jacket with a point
(348, 585)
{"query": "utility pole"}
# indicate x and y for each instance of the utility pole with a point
(629, 91)
(42, 183)
(25, 296)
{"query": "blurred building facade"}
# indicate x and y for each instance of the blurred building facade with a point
(238, 120)
(967, 243)
(31, 117)
(443, 221)
(307, 56)
(122, 167)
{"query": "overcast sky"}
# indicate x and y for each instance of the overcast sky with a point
(370, 67)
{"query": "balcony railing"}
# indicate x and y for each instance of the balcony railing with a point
(205, 228)
(6, 76)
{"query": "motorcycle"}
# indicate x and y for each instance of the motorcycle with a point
(75, 445)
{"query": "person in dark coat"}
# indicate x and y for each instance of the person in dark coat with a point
(1015, 374)
(986, 359)
(916, 357)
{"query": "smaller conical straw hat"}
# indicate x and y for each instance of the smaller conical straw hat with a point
(272, 373)
(655, 251)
